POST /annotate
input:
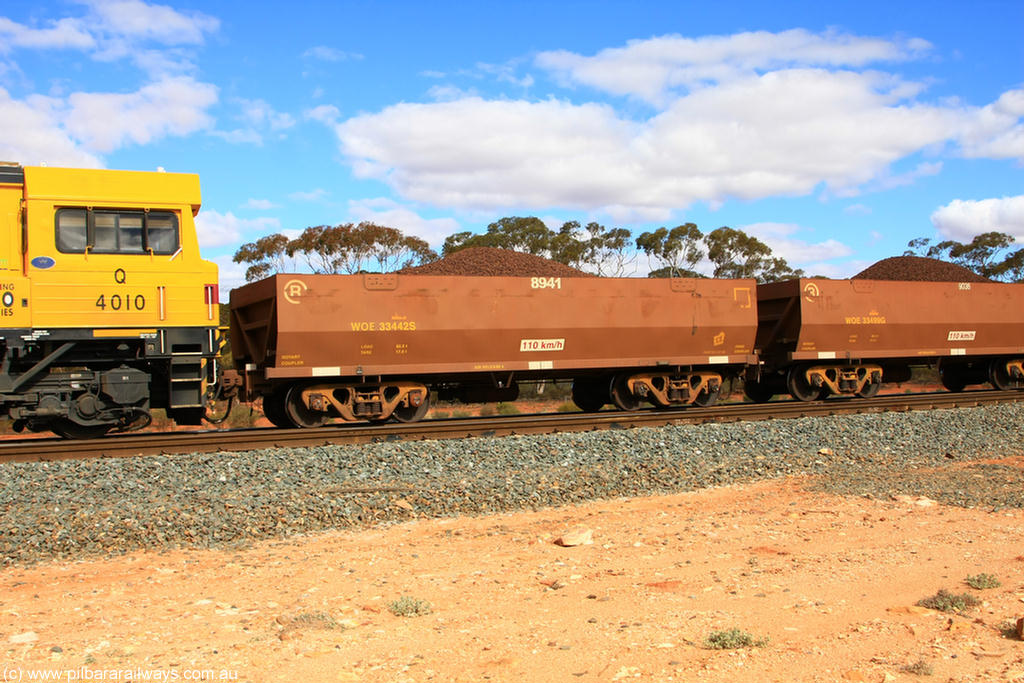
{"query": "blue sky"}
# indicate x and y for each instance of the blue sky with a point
(835, 132)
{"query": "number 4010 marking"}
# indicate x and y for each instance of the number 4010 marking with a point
(545, 283)
(117, 303)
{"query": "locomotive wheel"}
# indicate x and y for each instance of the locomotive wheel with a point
(69, 429)
(799, 387)
(1000, 378)
(952, 380)
(412, 413)
(588, 395)
(870, 389)
(273, 410)
(758, 392)
(300, 414)
(622, 397)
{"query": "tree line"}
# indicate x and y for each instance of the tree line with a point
(613, 252)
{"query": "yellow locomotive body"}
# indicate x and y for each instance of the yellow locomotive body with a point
(106, 308)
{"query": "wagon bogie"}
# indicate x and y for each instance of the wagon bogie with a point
(309, 405)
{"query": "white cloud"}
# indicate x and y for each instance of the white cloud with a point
(996, 131)
(748, 116)
(798, 253)
(118, 29)
(309, 196)
(961, 219)
(331, 54)
(261, 115)
(31, 133)
(239, 136)
(139, 20)
(61, 34)
(783, 133)
(104, 122)
(325, 113)
(217, 229)
(858, 210)
(387, 212)
(259, 204)
(230, 275)
(651, 68)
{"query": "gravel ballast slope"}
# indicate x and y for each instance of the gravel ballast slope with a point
(71, 509)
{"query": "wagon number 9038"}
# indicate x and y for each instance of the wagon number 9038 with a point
(118, 302)
(545, 283)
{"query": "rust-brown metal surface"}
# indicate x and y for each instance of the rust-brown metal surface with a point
(369, 325)
(811, 319)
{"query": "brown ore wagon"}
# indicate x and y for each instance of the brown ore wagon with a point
(375, 346)
(820, 337)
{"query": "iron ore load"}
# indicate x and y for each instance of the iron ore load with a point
(374, 346)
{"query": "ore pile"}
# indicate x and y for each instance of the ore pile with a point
(490, 261)
(920, 269)
(72, 509)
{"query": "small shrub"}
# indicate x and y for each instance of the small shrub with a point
(440, 414)
(316, 619)
(408, 606)
(732, 639)
(460, 414)
(507, 409)
(486, 411)
(944, 601)
(983, 581)
(568, 407)
(1010, 629)
(919, 668)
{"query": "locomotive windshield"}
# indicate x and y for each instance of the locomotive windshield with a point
(116, 232)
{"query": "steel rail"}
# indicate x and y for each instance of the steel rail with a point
(212, 441)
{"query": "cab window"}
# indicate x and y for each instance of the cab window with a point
(105, 231)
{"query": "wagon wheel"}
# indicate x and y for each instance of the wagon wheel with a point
(1000, 377)
(70, 429)
(706, 399)
(622, 397)
(758, 392)
(273, 409)
(870, 389)
(299, 413)
(588, 395)
(799, 387)
(952, 379)
(412, 413)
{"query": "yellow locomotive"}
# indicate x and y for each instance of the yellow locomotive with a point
(106, 308)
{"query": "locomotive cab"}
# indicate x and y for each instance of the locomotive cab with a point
(106, 308)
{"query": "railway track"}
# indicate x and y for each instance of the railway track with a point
(170, 443)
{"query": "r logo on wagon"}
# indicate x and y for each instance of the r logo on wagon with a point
(293, 290)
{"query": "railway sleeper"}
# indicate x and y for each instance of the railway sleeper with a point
(312, 405)
(665, 390)
(818, 381)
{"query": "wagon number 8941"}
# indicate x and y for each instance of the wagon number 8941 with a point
(545, 283)
(116, 302)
